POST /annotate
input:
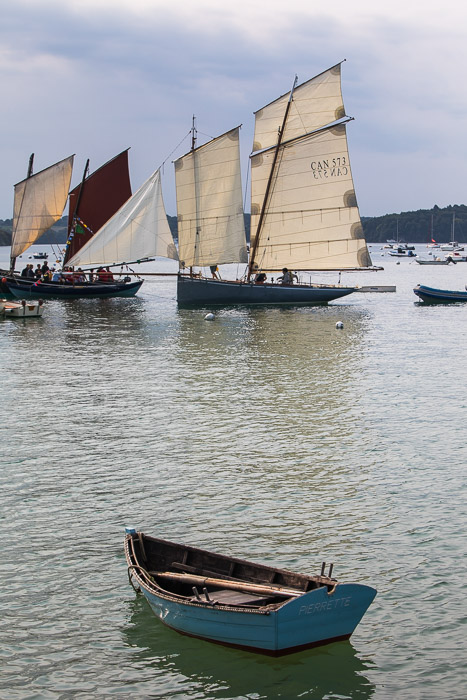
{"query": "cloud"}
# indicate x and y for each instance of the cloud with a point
(93, 78)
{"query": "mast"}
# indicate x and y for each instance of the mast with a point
(268, 187)
(31, 162)
(30, 168)
(195, 178)
(72, 224)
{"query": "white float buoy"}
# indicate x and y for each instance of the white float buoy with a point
(339, 324)
(209, 317)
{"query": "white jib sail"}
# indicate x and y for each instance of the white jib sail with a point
(139, 229)
(312, 220)
(211, 229)
(39, 203)
(316, 103)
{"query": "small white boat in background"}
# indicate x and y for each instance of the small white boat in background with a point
(456, 257)
(40, 256)
(453, 245)
(21, 309)
(434, 261)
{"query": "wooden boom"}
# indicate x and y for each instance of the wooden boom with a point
(261, 589)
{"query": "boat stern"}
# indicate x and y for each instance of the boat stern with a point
(322, 616)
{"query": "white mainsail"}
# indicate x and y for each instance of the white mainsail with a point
(311, 219)
(211, 227)
(139, 229)
(39, 203)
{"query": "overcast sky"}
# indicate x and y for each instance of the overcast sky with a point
(93, 77)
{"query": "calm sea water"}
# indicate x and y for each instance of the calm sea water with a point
(267, 434)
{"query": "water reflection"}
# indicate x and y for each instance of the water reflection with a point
(196, 667)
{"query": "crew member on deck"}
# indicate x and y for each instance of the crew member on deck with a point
(214, 270)
(287, 277)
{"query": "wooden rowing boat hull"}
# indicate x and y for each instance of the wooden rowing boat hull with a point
(320, 616)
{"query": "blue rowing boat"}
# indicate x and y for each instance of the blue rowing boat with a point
(237, 603)
(431, 295)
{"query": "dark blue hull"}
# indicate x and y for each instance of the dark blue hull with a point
(195, 291)
(87, 290)
(439, 296)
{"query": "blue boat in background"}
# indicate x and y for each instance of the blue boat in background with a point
(237, 603)
(431, 295)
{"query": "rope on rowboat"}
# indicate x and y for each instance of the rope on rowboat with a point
(140, 568)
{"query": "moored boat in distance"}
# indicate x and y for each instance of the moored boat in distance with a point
(237, 603)
(402, 252)
(434, 261)
(432, 295)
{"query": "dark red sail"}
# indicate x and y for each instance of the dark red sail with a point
(95, 200)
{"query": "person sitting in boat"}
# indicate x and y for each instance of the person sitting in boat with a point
(56, 275)
(67, 275)
(104, 275)
(24, 271)
(38, 272)
(287, 277)
(44, 268)
(79, 275)
(260, 278)
(214, 270)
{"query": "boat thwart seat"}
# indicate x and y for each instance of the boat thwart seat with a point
(226, 597)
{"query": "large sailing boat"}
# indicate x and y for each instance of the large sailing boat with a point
(304, 213)
(91, 204)
(138, 231)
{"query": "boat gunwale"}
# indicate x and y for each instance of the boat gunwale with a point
(273, 285)
(146, 580)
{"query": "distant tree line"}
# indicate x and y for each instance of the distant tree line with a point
(410, 226)
(418, 226)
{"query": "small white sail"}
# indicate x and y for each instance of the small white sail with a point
(312, 220)
(316, 103)
(39, 203)
(211, 227)
(139, 229)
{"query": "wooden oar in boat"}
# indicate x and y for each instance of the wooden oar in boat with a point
(260, 589)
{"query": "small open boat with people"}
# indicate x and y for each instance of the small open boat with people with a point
(432, 295)
(238, 603)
